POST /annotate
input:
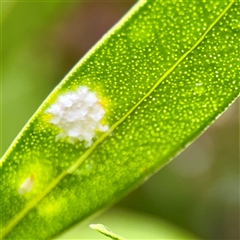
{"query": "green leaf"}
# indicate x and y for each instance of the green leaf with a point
(131, 225)
(155, 81)
(105, 231)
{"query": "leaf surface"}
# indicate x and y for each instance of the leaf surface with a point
(160, 77)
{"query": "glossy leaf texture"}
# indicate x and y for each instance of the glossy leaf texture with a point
(159, 78)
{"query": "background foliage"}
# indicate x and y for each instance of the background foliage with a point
(198, 191)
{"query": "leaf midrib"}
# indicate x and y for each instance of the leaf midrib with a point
(80, 160)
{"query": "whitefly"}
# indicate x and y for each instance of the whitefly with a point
(78, 115)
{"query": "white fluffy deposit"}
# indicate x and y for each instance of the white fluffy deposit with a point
(78, 115)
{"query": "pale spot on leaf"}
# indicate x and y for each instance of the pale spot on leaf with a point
(27, 185)
(78, 115)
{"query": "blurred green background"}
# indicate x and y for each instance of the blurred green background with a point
(197, 192)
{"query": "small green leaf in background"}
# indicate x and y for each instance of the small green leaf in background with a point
(131, 225)
(105, 231)
(147, 89)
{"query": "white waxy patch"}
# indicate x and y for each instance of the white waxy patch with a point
(78, 115)
(27, 185)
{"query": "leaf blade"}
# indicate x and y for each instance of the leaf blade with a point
(134, 172)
